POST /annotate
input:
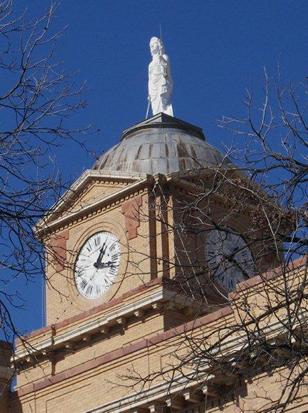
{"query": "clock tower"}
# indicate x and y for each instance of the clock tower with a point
(156, 234)
(148, 239)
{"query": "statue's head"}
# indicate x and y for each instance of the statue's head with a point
(156, 46)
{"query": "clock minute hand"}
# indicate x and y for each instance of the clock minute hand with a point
(100, 257)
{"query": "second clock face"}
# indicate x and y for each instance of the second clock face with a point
(97, 264)
(229, 258)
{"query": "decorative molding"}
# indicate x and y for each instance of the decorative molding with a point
(85, 315)
(57, 249)
(130, 210)
(101, 323)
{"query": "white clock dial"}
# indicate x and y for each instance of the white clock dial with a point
(97, 264)
(229, 258)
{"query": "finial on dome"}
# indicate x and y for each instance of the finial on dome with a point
(160, 83)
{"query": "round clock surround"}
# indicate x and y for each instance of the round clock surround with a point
(228, 257)
(97, 264)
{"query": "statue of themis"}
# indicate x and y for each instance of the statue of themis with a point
(160, 81)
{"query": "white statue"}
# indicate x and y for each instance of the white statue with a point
(160, 81)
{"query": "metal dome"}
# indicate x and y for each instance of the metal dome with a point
(161, 144)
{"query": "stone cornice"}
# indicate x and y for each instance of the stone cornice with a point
(95, 310)
(103, 319)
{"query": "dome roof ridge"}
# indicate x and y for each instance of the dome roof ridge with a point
(162, 120)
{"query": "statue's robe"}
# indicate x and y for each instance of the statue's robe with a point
(160, 85)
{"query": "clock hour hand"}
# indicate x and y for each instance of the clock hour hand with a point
(101, 265)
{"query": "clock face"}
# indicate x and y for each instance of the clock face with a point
(97, 264)
(229, 258)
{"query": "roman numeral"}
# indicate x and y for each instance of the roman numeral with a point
(80, 272)
(89, 290)
(108, 282)
(83, 284)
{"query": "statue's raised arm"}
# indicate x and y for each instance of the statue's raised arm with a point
(160, 81)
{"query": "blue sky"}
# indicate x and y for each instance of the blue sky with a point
(217, 50)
